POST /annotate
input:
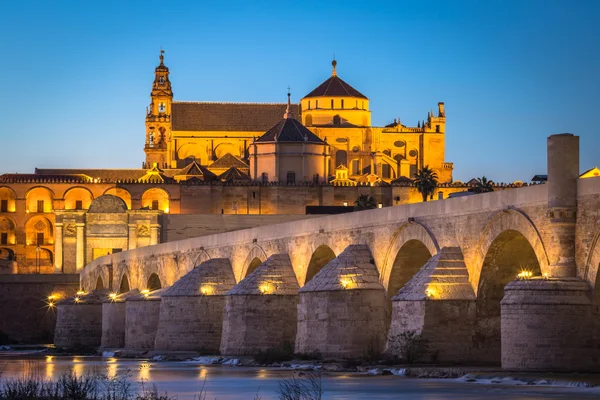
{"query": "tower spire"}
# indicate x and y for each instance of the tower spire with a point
(334, 64)
(288, 111)
(162, 57)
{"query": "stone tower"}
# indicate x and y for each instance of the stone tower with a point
(158, 117)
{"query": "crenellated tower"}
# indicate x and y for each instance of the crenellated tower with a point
(158, 117)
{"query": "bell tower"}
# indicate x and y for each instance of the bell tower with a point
(158, 117)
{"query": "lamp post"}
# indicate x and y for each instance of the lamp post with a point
(37, 258)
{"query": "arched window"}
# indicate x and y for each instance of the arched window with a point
(332, 104)
(291, 177)
(308, 120)
(309, 104)
(341, 158)
(337, 120)
(317, 105)
(342, 103)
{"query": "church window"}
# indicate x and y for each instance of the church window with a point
(308, 120)
(317, 105)
(336, 120)
(385, 171)
(332, 104)
(342, 103)
(363, 105)
(341, 158)
(309, 104)
(155, 204)
(265, 177)
(40, 239)
(4, 238)
(355, 167)
(357, 104)
(253, 195)
(161, 107)
(161, 79)
(4, 205)
(40, 206)
(437, 128)
(78, 205)
(291, 178)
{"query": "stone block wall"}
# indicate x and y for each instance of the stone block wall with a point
(78, 325)
(113, 325)
(25, 315)
(342, 324)
(445, 327)
(190, 323)
(255, 323)
(141, 323)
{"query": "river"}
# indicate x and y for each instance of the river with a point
(184, 380)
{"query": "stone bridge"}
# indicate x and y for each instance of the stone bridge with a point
(445, 270)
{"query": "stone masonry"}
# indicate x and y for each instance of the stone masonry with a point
(141, 320)
(342, 310)
(191, 311)
(260, 311)
(113, 320)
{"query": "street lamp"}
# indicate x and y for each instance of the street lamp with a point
(37, 258)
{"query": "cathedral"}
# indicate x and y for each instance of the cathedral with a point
(269, 162)
(278, 142)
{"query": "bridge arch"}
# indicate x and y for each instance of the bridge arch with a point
(319, 258)
(255, 257)
(99, 283)
(506, 220)
(153, 282)
(124, 284)
(202, 257)
(592, 266)
(411, 246)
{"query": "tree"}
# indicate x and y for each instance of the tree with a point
(425, 181)
(365, 202)
(484, 185)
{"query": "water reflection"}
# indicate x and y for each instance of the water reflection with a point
(49, 367)
(185, 380)
(144, 374)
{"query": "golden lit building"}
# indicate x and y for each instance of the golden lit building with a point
(178, 133)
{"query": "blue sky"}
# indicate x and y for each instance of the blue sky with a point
(77, 75)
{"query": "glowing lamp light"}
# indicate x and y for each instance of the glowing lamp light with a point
(50, 304)
(77, 300)
(524, 274)
(145, 293)
(430, 293)
(207, 290)
(345, 282)
(167, 210)
(80, 292)
(51, 297)
(345, 204)
(546, 276)
(265, 288)
(112, 296)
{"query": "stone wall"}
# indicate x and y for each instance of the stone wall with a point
(79, 321)
(141, 321)
(26, 315)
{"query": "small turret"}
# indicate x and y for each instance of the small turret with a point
(441, 112)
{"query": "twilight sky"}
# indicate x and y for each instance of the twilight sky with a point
(77, 75)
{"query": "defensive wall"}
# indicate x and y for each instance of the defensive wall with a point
(438, 269)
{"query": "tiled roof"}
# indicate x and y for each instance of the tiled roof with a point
(228, 161)
(49, 178)
(335, 87)
(289, 130)
(233, 174)
(196, 170)
(205, 116)
(110, 175)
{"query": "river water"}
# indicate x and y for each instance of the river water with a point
(185, 379)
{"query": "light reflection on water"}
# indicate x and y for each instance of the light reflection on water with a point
(185, 380)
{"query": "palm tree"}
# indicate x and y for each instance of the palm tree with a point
(484, 185)
(425, 181)
(365, 202)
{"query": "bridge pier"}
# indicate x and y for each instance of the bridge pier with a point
(547, 321)
(141, 320)
(113, 320)
(342, 310)
(261, 310)
(433, 315)
(191, 311)
(79, 320)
